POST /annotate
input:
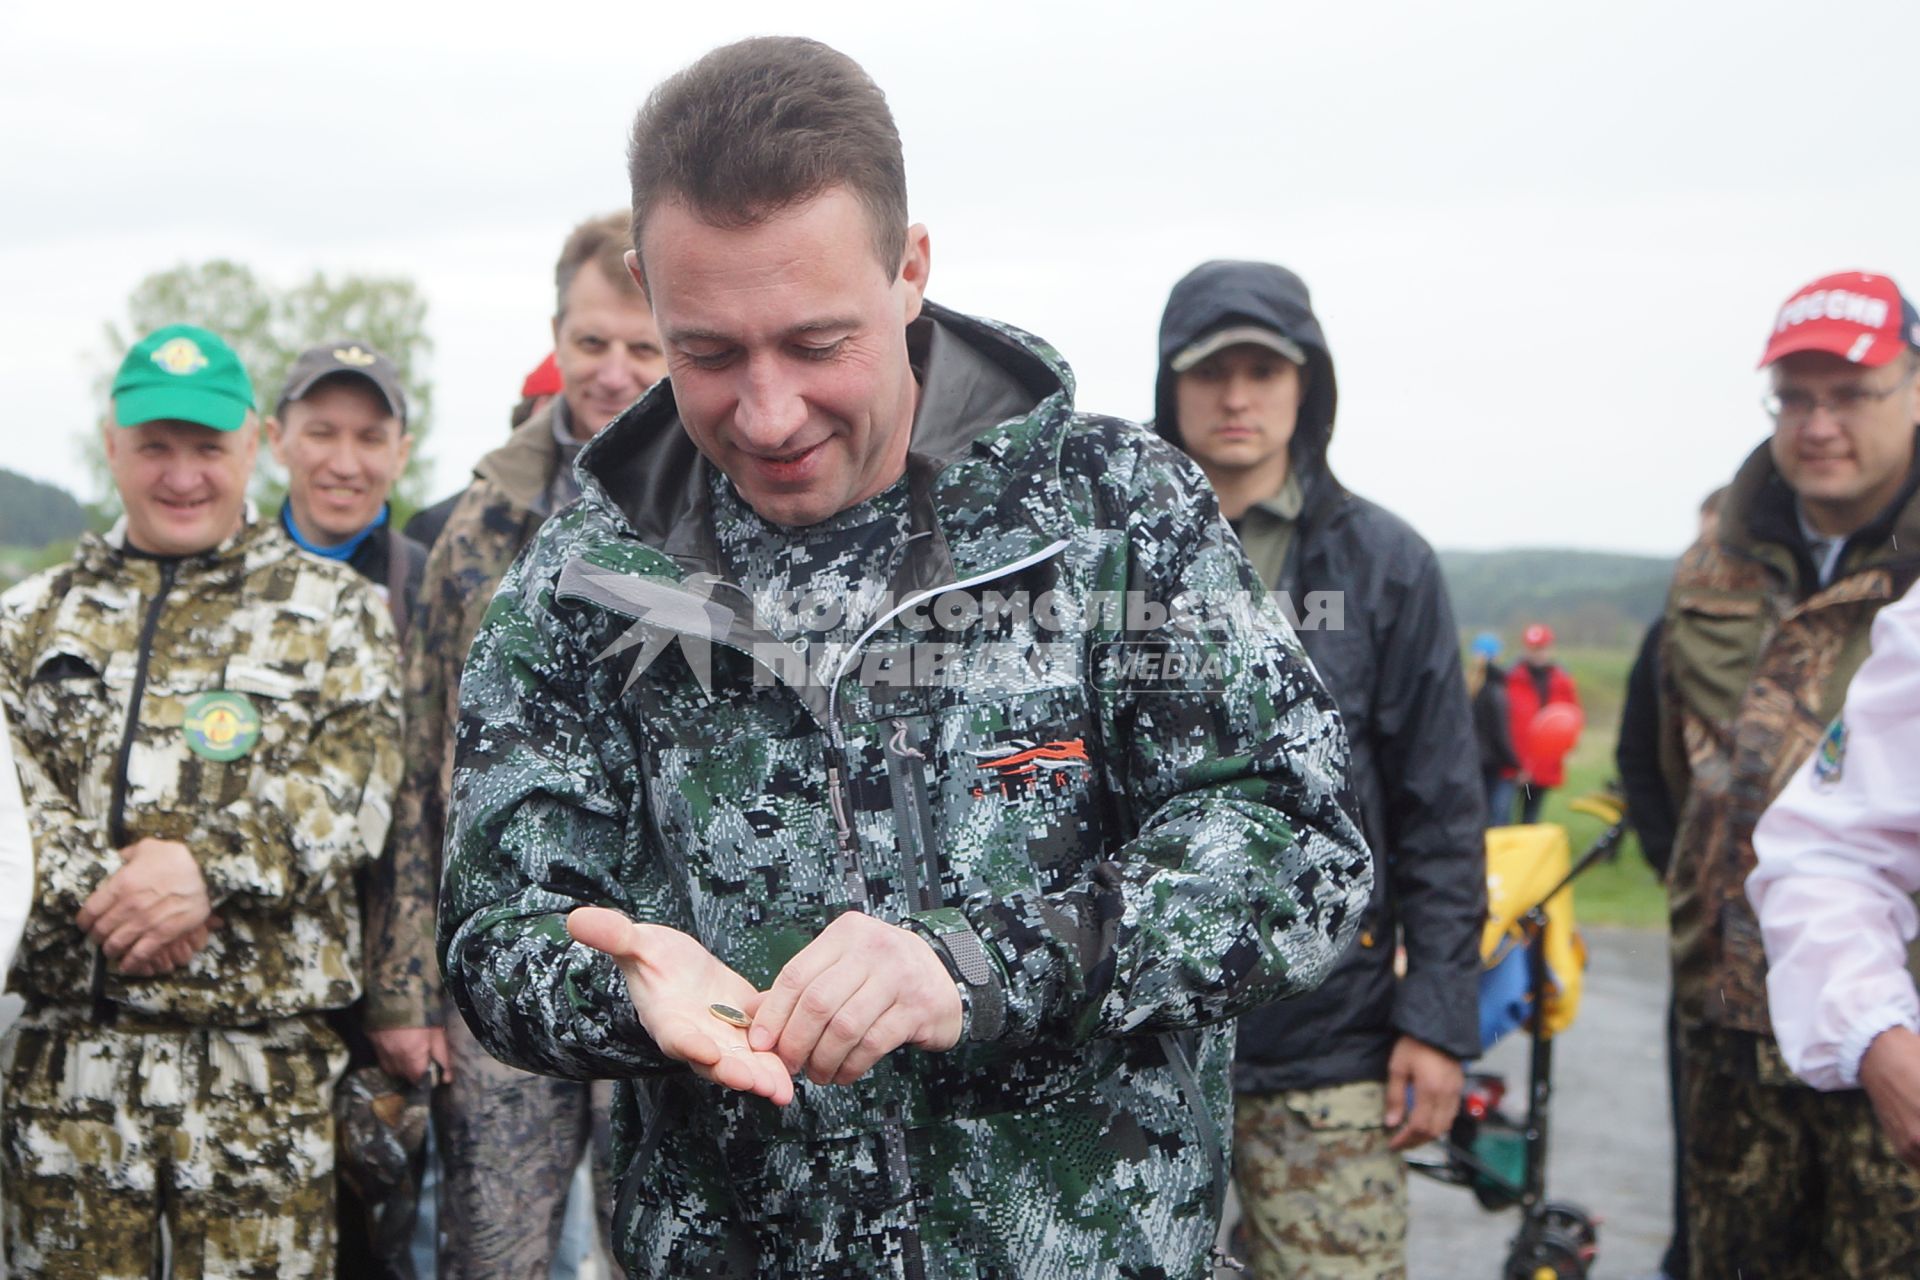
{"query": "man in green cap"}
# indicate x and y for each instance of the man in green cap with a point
(205, 722)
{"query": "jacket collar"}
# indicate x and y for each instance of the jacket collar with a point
(980, 445)
(106, 553)
(1760, 520)
(522, 468)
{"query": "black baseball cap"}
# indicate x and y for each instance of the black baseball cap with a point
(348, 356)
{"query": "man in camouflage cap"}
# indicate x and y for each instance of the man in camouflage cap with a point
(878, 719)
(205, 722)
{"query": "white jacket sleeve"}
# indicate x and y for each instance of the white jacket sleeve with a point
(1839, 862)
(16, 854)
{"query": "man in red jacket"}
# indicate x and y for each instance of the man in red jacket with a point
(1535, 681)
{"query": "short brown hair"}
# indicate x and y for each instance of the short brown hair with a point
(603, 241)
(761, 125)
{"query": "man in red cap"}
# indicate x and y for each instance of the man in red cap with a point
(1534, 682)
(542, 385)
(1765, 624)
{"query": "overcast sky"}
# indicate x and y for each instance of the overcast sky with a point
(1546, 241)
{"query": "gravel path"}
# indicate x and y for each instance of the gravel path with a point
(1610, 1144)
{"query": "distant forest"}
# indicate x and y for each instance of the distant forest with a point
(1590, 598)
(34, 514)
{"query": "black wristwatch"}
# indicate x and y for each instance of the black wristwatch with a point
(974, 970)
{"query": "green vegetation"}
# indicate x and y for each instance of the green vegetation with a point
(1624, 891)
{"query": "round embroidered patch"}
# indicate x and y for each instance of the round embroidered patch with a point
(180, 357)
(221, 726)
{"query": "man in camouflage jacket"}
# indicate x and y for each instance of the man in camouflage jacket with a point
(1766, 622)
(879, 723)
(206, 722)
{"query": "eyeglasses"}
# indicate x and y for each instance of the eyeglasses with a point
(1794, 406)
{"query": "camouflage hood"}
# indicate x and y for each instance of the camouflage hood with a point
(522, 467)
(986, 390)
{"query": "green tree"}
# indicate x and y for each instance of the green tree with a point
(268, 327)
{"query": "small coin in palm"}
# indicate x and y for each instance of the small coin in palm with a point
(730, 1015)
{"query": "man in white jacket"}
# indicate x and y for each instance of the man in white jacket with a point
(16, 855)
(1839, 865)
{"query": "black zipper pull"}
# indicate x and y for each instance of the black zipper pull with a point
(844, 838)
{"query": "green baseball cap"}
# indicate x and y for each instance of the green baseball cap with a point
(185, 373)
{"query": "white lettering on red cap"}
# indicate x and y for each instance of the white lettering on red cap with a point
(1833, 304)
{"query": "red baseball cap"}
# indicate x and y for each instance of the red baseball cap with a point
(1855, 315)
(544, 380)
(1536, 635)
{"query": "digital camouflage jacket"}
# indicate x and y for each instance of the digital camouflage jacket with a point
(486, 529)
(243, 702)
(1754, 664)
(1147, 825)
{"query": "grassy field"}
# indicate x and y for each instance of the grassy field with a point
(1624, 891)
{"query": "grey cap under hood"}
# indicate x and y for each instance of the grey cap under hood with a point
(1216, 295)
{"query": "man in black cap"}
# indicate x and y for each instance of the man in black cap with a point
(1332, 1086)
(341, 432)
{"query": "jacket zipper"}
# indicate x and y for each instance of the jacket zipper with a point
(117, 811)
(893, 1138)
(846, 839)
(907, 771)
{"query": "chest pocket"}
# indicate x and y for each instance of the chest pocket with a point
(1017, 783)
(74, 714)
(1713, 642)
(217, 734)
(736, 803)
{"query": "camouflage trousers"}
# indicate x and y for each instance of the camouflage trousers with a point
(509, 1144)
(224, 1134)
(1785, 1182)
(1322, 1196)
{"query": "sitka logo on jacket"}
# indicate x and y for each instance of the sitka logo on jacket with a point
(1016, 768)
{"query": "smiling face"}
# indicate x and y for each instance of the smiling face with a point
(786, 342)
(607, 348)
(184, 486)
(1845, 466)
(343, 450)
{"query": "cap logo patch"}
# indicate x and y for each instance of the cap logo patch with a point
(1833, 304)
(180, 357)
(356, 356)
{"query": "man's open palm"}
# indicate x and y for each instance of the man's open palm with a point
(674, 982)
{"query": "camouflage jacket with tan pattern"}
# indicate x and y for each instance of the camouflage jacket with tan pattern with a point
(281, 785)
(1755, 661)
(492, 521)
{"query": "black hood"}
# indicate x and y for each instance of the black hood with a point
(1215, 295)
